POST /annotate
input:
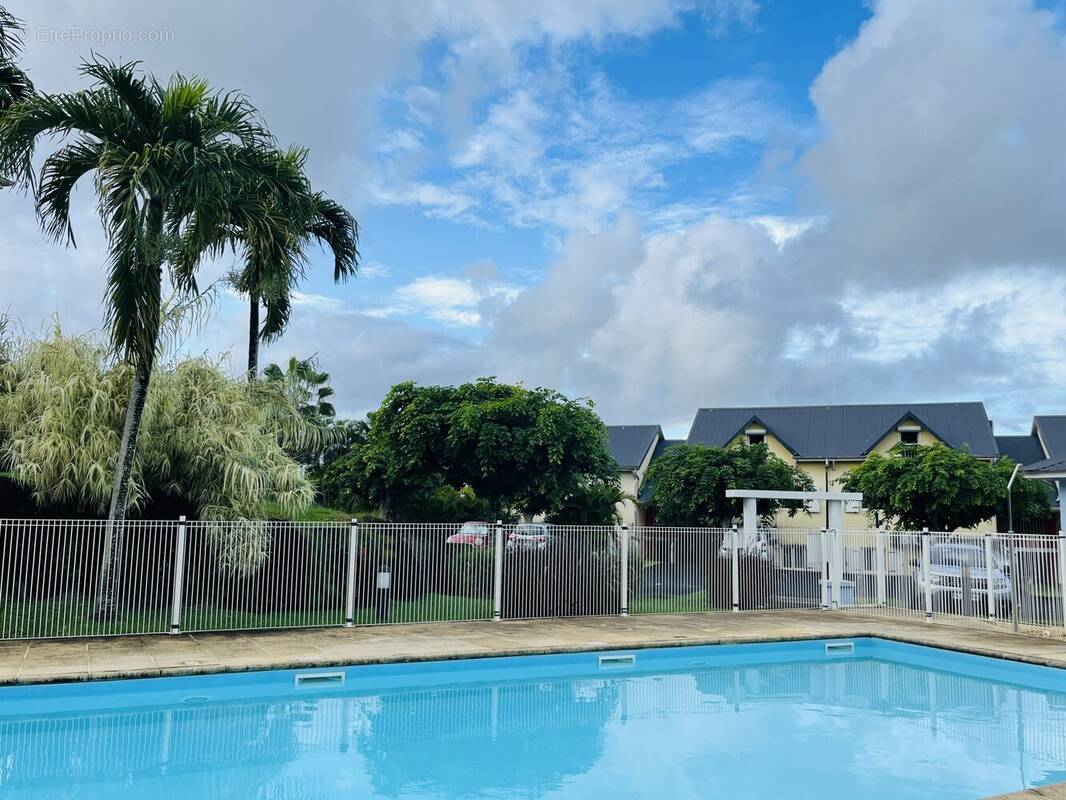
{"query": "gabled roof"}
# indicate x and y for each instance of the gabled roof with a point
(1049, 467)
(1020, 449)
(1052, 432)
(629, 444)
(848, 432)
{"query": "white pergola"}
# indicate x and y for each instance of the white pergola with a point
(833, 566)
(834, 503)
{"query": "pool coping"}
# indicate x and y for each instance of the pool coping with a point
(114, 658)
(1053, 791)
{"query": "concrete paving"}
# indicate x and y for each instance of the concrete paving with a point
(48, 661)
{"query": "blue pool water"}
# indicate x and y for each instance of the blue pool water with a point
(882, 720)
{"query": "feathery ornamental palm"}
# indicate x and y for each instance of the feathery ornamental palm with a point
(157, 153)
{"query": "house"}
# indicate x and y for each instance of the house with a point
(1043, 454)
(632, 447)
(828, 441)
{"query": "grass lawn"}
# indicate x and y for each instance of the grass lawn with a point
(312, 514)
(679, 604)
(74, 617)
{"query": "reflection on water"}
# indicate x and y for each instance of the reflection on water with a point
(822, 729)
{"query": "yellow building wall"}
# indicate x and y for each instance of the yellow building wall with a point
(836, 470)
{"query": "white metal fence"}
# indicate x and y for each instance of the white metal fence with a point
(207, 576)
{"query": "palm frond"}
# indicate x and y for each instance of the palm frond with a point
(11, 31)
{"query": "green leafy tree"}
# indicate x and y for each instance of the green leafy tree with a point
(517, 448)
(159, 154)
(940, 488)
(688, 483)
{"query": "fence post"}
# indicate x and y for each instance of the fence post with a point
(497, 576)
(623, 539)
(1062, 574)
(989, 590)
(927, 579)
(881, 566)
(349, 601)
(735, 569)
(179, 578)
(824, 556)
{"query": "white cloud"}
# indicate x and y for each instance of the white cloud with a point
(941, 143)
(454, 301)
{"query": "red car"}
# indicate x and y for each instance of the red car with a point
(474, 534)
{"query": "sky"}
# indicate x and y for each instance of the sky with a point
(660, 205)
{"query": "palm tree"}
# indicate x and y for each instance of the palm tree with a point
(306, 387)
(15, 84)
(158, 152)
(273, 242)
(319, 219)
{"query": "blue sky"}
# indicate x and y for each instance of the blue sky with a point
(657, 204)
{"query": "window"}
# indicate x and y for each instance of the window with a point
(908, 437)
(756, 438)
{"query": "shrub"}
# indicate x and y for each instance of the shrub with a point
(756, 583)
(578, 573)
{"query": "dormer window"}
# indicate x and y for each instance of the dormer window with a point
(755, 435)
(908, 434)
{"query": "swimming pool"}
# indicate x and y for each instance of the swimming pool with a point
(862, 718)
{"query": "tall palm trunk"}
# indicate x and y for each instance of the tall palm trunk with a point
(111, 560)
(253, 336)
(107, 600)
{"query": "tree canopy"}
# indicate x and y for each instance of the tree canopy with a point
(516, 448)
(943, 489)
(688, 482)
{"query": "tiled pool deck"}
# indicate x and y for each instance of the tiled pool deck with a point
(146, 656)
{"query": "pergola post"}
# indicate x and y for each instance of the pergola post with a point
(751, 519)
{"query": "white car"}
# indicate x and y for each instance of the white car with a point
(530, 536)
(747, 545)
(946, 564)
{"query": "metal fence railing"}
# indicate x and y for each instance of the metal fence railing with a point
(68, 578)
(1007, 581)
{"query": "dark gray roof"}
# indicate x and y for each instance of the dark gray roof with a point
(1052, 430)
(644, 494)
(630, 443)
(1020, 449)
(1047, 466)
(848, 431)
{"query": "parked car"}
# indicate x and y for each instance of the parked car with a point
(754, 545)
(530, 536)
(473, 534)
(947, 563)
